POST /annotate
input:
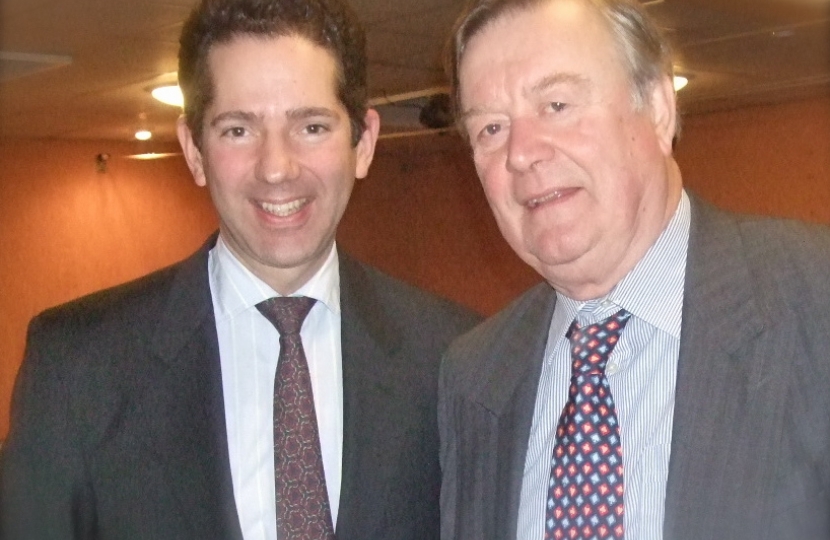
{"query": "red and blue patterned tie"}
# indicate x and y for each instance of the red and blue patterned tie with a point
(303, 511)
(585, 494)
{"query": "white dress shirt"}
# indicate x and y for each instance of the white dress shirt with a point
(641, 371)
(248, 351)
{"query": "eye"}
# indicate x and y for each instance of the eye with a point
(557, 106)
(235, 132)
(491, 129)
(316, 129)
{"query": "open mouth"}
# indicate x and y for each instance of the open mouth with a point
(285, 209)
(533, 203)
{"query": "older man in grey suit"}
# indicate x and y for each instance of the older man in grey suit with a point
(670, 380)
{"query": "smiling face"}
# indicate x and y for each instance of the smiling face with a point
(581, 182)
(276, 154)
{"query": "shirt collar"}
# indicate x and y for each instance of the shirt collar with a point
(237, 289)
(651, 291)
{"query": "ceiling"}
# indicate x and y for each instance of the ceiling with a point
(82, 69)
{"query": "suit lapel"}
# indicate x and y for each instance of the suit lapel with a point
(722, 318)
(186, 407)
(510, 395)
(372, 417)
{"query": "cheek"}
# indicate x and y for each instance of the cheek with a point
(227, 167)
(493, 178)
(495, 194)
(506, 212)
(331, 163)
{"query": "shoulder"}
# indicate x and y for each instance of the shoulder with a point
(522, 325)
(533, 307)
(786, 253)
(127, 306)
(795, 241)
(378, 295)
(761, 235)
(119, 318)
(789, 262)
(779, 267)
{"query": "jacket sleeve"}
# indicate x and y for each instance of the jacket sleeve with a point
(43, 491)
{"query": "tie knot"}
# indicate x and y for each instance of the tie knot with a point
(286, 313)
(592, 345)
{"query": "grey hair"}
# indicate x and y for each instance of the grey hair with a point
(646, 53)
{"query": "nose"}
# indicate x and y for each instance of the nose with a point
(276, 160)
(528, 144)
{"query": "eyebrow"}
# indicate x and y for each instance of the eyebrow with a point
(541, 86)
(307, 112)
(557, 79)
(232, 115)
(293, 114)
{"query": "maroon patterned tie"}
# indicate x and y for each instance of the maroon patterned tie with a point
(585, 495)
(303, 511)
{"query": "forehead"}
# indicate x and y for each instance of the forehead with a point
(271, 64)
(560, 39)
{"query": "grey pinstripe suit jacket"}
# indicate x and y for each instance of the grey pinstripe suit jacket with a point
(750, 452)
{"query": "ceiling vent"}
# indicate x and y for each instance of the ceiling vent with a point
(14, 65)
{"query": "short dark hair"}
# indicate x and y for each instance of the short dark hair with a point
(330, 24)
(645, 52)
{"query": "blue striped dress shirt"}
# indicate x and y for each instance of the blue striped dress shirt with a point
(642, 371)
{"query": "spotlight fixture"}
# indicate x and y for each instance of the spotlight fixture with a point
(143, 135)
(169, 94)
(680, 82)
(153, 155)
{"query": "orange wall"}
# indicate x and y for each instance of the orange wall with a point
(765, 160)
(421, 216)
(66, 229)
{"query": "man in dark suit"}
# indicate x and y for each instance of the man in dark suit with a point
(670, 379)
(148, 410)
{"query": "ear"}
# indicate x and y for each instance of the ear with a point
(192, 154)
(664, 112)
(365, 149)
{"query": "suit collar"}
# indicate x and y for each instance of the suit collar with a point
(376, 400)
(189, 294)
(718, 275)
(523, 353)
(185, 406)
(724, 312)
(509, 393)
(361, 308)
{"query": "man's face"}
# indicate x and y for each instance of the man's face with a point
(276, 154)
(580, 182)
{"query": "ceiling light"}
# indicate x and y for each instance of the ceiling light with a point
(170, 95)
(143, 135)
(680, 82)
(152, 155)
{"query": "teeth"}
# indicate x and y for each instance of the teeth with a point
(533, 203)
(283, 210)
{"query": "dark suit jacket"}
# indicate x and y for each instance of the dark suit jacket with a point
(118, 428)
(750, 455)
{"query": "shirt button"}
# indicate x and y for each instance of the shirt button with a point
(607, 303)
(612, 368)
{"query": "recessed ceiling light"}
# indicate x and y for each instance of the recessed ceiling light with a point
(170, 95)
(680, 82)
(143, 135)
(152, 155)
